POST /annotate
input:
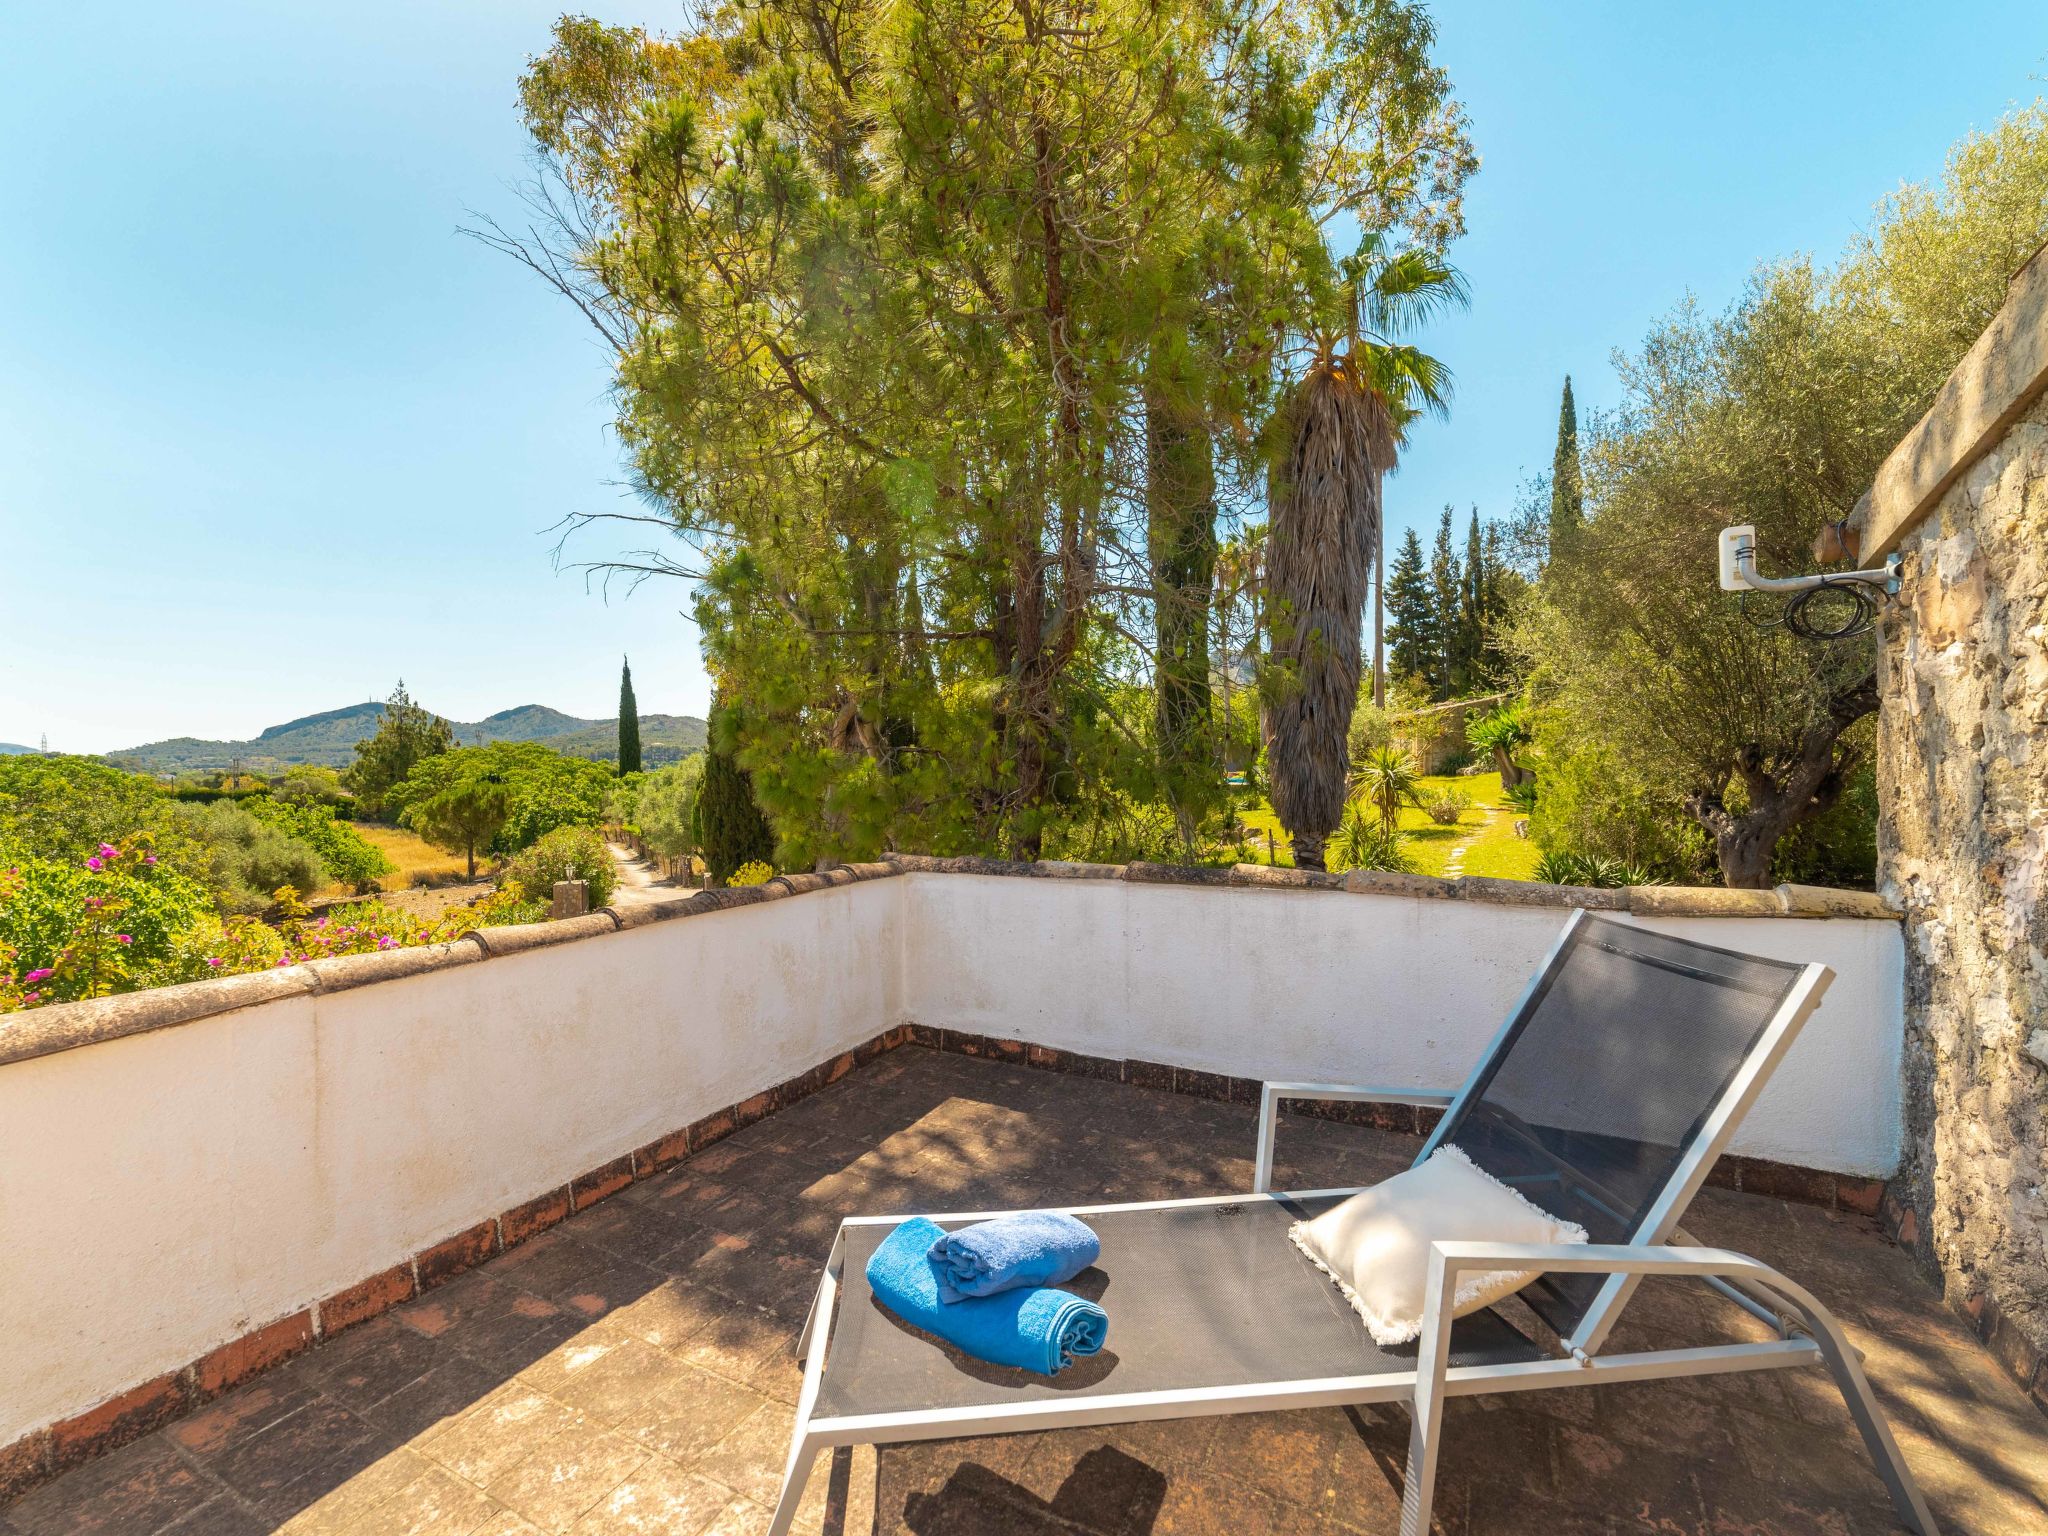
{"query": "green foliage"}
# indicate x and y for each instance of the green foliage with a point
(731, 830)
(63, 808)
(957, 244)
(542, 789)
(662, 806)
(1776, 413)
(243, 857)
(310, 783)
(406, 736)
(110, 922)
(1371, 726)
(566, 853)
(458, 801)
(1387, 778)
(1447, 807)
(1368, 842)
(1593, 869)
(348, 856)
(1567, 485)
(629, 723)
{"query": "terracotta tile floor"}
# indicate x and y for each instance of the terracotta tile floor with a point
(632, 1371)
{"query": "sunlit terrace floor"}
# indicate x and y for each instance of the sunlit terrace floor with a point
(633, 1370)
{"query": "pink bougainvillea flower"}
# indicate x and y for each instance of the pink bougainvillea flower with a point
(109, 851)
(385, 941)
(93, 862)
(149, 859)
(213, 960)
(36, 975)
(124, 938)
(284, 960)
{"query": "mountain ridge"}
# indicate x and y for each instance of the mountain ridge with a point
(327, 738)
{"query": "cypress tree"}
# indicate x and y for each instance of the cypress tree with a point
(1447, 593)
(1180, 508)
(1475, 618)
(629, 722)
(731, 830)
(1567, 490)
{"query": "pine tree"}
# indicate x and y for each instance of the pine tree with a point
(629, 722)
(1411, 612)
(1567, 489)
(1447, 593)
(731, 830)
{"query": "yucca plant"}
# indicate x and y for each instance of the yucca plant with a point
(1365, 842)
(1387, 778)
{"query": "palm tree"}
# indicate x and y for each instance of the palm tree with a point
(1341, 430)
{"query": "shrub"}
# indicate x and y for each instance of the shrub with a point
(64, 808)
(1366, 842)
(567, 853)
(752, 873)
(244, 858)
(1447, 806)
(662, 805)
(1593, 869)
(349, 856)
(111, 922)
(731, 831)
(1523, 796)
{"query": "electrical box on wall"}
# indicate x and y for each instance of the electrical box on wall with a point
(1735, 541)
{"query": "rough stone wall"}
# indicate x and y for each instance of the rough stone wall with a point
(1963, 844)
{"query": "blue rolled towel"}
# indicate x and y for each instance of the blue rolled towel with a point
(1035, 1330)
(1030, 1248)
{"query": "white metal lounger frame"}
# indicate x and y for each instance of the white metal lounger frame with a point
(1808, 1333)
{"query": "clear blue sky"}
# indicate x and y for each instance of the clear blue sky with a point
(272, 434)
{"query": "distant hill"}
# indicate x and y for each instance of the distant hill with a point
(9, 749)
(329, 739)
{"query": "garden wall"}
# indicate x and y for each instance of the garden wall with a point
(198, 1182)
(1963, 834)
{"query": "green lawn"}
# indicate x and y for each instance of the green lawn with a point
(1487, 830)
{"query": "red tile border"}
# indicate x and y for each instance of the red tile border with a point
(585, 1190)
(239, 1359)
(534, 1217)
(367, 1299)
(119, 1420)
(24, 1464)
(659, 1155)
(452, 1255)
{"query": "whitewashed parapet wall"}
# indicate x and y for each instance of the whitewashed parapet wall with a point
(192, 1180)
(1400, 991)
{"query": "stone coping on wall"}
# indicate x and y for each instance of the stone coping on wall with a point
(1991, 388)
(68, 1026)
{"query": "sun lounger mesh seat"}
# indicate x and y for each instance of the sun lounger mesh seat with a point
(1227, 1300)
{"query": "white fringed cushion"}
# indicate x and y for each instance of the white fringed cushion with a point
(1376, 1244)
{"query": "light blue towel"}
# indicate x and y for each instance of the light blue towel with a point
(1030, 1248)
(1035, 1330)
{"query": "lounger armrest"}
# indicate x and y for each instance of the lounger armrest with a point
(1270, 1095)
(1449, 1259)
